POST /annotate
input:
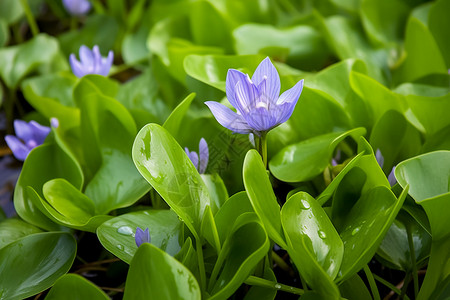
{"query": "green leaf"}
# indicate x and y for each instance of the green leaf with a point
(154, 274)
(163, 163)
(4, 32)
(75, 287)
(212, 69)
(395, 249)
(354, 288)
(173, 122)
(51, 95)
(244, 248)
(217, 190)
(365, 225)
(18, 61)
(307, 159)
(262, 197)
(235, 206)
(423, 54)
(44, 163)
(117, 234)
(305, 46)
(14, 229)
(70, 207)
(437, 22)
(312, 242)
(11, 11)
(33, 263)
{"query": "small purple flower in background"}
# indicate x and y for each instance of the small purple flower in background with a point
(54, 122)
(380, 160)
(202, 163)
(77, 7)
(28, 136)
(257, 100)
(335, 160)
(91, 62)
(141, 236)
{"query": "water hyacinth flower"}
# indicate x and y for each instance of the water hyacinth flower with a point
(259, 106)
(91, 62)
(201, 159)
(141, 236)
(28, 136)
(77, 7)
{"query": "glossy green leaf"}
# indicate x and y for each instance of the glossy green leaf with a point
(33, 263)
(365, 225)
(164, 164)
(42, 164)
(262, 197)
(212, 69)
(423, 55)
(305, 47)
(75, 287)
(235, 206)
(312, 242)
(70, 207)
(217, 190)
(244, 248)
(307, 159)
(395, 249)
(154, 274)
(354, 288)
(18, 61)
(14, 229)
(437, 22)
(173, 122)
(117, 234)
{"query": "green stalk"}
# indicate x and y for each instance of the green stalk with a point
(201, 265)
(252, 280)
(30, 17)
(412, 252)
(389, 285)
(262, 147)
(405, 285)
(372, 283)
(280, 262)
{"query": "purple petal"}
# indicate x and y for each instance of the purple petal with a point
(97, 60)
(233, 77)
(245, 95)
(260, 119)
(204, 156)
(54, 122)
(141, 236)
(106, 64)
(193, 156)
(19, 150)
(86, 57)
(77, 7)
(267, 71)
(251, 138)
(40, 132)
(333, 162)
(286, 103)
(23, 130)
(228, 118)
(76, 66)
(391, 178)
(379, 157)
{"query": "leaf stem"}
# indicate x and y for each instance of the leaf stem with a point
(253, 280)
(30, 17)
(262, 147)
(280, 262)
(372, 283)
(405, 285)
(389, 285)
(201, 265)
(412, 252)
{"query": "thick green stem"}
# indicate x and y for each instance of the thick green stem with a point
(201, 265)
(262, 147)
(30, 17)
(372, 283)
(280, 262)
(413, 261)
(405, 285)
(389, 285)
(252, 280)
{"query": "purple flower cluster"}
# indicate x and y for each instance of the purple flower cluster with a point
(91, 62)
(141, 236)
(77, 7)
(201, 159)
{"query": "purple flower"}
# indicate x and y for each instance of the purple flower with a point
(91, 62)
(77, 7)
(391, 178)
(203, 154)
(28, 136)
(142, 236)
(259, 106)
(335, 160)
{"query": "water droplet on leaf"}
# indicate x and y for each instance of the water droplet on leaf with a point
(356, 230)
(125, 230)
(322, 234)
